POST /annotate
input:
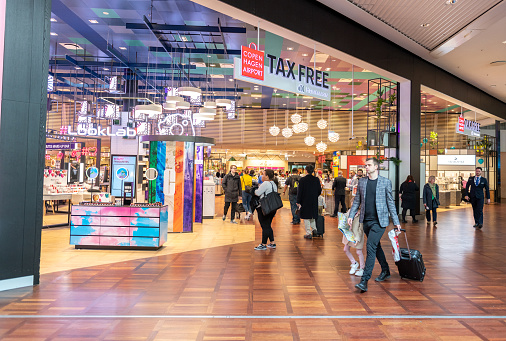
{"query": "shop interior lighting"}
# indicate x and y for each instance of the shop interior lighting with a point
(207, 111)
(54, 33)
(333, 137)
(122, 48)
(224, 103)
(287, 132)
(174, 99)
(210, 105)
(189, 91)
(53, 20)
(93, 21)
(296, 129)
(309, 140)
(303, 127)
(148, 109)
(183, 105)
(322, 124)
(296, 118)
(169, 106)
(321, 146)
(274, 130)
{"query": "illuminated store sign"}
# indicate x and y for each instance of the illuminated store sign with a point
(456, 160)
(99, 131)
(467, 127)
(281, 74)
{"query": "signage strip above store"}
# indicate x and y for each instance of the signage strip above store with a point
(468, 127)
(281, 74)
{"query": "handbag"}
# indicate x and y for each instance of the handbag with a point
(271, 202)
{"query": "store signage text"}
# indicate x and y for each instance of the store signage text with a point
(252, 62)
(281, 74)
(99, 131)
(468, 127)
(61, 146)
(456, 160)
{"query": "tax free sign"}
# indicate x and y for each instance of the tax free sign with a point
(268, 70)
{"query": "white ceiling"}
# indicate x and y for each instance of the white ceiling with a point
(466, 53)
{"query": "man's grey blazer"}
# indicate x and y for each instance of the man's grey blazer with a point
(385, 204)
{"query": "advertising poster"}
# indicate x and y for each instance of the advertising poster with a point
(123, 169)
(178, 195)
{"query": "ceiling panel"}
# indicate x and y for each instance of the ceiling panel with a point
(427, 22)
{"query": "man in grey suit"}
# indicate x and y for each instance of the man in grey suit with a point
(374, 197)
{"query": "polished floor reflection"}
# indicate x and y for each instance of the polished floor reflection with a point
(195, 294)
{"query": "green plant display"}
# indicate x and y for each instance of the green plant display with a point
(433, 139)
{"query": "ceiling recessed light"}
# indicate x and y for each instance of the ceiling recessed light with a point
(425, 24)
(208, 56)
(435, 102)
(77, 68)
(93, 21)
(212, 65)
(504, 42)
(54, 33)
(327, 69)
(289, 48)
(53, 20)
(105, 13)
(287, 58)
(231, 80)
(122, 48)
(304, 55)
(245, 93)
(106, 69)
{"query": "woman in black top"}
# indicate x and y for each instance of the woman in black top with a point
(407, 192)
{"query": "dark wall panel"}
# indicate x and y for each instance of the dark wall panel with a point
(22, 136)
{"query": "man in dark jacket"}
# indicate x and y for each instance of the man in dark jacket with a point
(339, 188)
(232, 189)
(293, 183)
(474, 188)
(309, 190)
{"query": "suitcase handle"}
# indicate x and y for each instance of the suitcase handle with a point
(407, 244)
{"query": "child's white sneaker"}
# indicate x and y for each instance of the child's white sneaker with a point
(359, 272)
(354, 268)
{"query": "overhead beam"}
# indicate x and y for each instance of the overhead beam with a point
(165, 46)
(192, 50)
(186, 28)
(85, 68)
(81, 63)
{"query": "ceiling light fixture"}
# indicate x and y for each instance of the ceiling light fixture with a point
(425, 25)
(148, 109)
(274, 130)
(105, 13)
(322, 124)
(213, 65)
(93, 21)
(210, 105)
(169, 106)
(174, 99)
(106, 69)
(183, 105)
(304, 55)
(53, 20)
(122, 48)
(333, 136)
(54, 33)
(287, 132)
(303, 127)
(296, 118)
(289, 48)
(309, 140)
(207, 111)
(321, 146)
(224, 103)
(189, 91)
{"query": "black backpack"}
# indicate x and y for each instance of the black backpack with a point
(294, 184)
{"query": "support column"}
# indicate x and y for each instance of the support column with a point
(409, 132)
(23, 111)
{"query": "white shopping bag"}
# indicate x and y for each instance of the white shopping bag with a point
(396, 251)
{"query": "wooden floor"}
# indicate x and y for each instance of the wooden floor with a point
(300, 291)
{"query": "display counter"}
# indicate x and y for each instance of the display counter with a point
(118, 227)
(444, 199)
(51, 203)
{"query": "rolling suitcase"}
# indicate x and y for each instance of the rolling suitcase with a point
(320, 226)
(411, 263)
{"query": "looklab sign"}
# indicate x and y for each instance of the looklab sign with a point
(456, 160)
(268, 70)
(467, 127)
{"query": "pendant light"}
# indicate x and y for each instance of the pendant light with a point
(169, 106)
(309, 140)
(321, 146)
(207, 111)
(296, 118)
(148, 109)
(189, 91)
(287, 132)
(224, 103)
(274, 130)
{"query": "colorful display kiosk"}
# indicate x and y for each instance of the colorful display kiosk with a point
(179, 164)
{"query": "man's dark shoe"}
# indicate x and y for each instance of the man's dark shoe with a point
(415, 221)
(479, 226)
(475, 225)
(295, 222)
(383, 275)
(404, 221)
(362, 286)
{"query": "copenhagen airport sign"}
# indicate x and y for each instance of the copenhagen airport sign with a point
(281, 74)
(99, 132)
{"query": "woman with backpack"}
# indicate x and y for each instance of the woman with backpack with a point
(268, 185)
